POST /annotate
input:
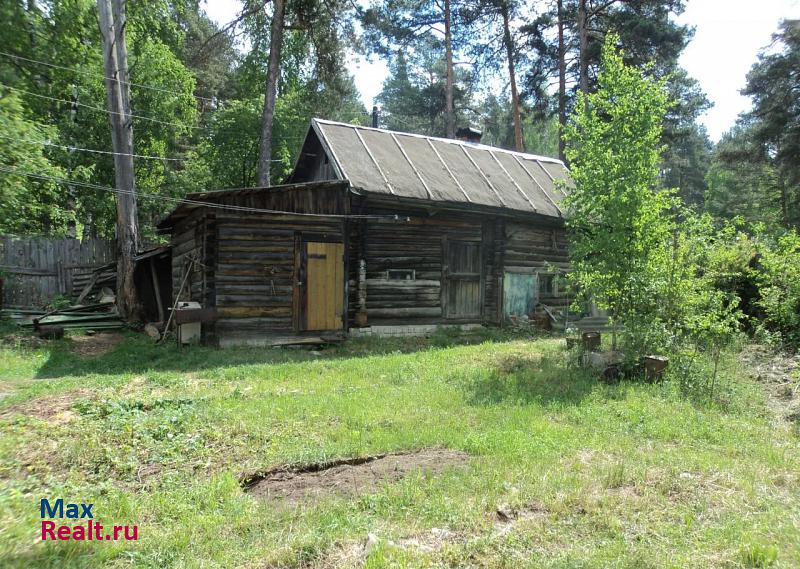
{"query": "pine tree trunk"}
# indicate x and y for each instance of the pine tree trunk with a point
(562, 84)
(449, 113)
(115, 60)
(273, 70)
(507, 40)
(583, 35)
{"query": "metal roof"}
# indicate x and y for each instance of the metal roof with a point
(407, 165)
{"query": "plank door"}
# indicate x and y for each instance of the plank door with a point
(463, 282)
(324, 286)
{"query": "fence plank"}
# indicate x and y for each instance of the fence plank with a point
(36, 269)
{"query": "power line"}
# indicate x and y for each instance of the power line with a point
(95, 74)
(100, 109)
(184, 201)
(131, 115)
(92, 150)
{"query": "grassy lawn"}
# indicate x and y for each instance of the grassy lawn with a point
(584, 474)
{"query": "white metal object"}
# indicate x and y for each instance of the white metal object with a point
(188, 333)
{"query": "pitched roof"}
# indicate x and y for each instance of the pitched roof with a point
(407, 165)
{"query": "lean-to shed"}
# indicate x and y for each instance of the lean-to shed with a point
(374, 232)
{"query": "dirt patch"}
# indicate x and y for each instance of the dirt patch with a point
(348, 477)
(513, 363)
(96, 344)
(779, 373)
(22, 341)
(52, 408)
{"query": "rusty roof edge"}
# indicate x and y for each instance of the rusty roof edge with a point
(451, 205)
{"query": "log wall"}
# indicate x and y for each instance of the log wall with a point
(418, 244)
(537, 249)
(248, 261)
(243, 263)
(255, 272)
(188, 239)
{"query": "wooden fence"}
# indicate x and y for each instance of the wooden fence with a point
(35, 269)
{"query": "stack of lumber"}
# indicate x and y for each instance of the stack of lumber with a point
(93, 283)
(87, 317)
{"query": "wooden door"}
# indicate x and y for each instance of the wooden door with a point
(463, 279)
(324, 286)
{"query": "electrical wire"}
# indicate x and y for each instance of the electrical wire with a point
(184, 201)
(140, 85)
(131, 115)
(95, 74)
(100, 109)
(92, 150)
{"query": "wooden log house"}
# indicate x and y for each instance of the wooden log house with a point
(374, 232)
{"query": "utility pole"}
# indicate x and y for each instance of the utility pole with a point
(115, 65)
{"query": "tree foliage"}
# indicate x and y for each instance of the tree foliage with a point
(649, 35)
(29, 205)
(659, 268)
(779, 280)
(617, 213)
(756, 169)
(413, 95)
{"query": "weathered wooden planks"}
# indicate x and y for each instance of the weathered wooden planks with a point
(37, 268)
(324, 286)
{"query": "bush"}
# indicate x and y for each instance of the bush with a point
(779, 286)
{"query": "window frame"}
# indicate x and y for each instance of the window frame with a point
(554, 289)
(412, 272)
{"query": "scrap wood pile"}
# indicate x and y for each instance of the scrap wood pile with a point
(94, 309)
(92, 284)
(99, 316)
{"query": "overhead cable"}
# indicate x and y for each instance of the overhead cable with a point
(95, 74)
(102, 110)
(183, 201)
(92, 150)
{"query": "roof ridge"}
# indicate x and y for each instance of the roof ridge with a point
(445, 140)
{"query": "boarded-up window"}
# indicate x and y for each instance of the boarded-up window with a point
(519, 293)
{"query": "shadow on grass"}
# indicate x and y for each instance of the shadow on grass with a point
(138, 354)
(546, 381)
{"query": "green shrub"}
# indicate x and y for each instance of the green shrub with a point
(779, 285)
